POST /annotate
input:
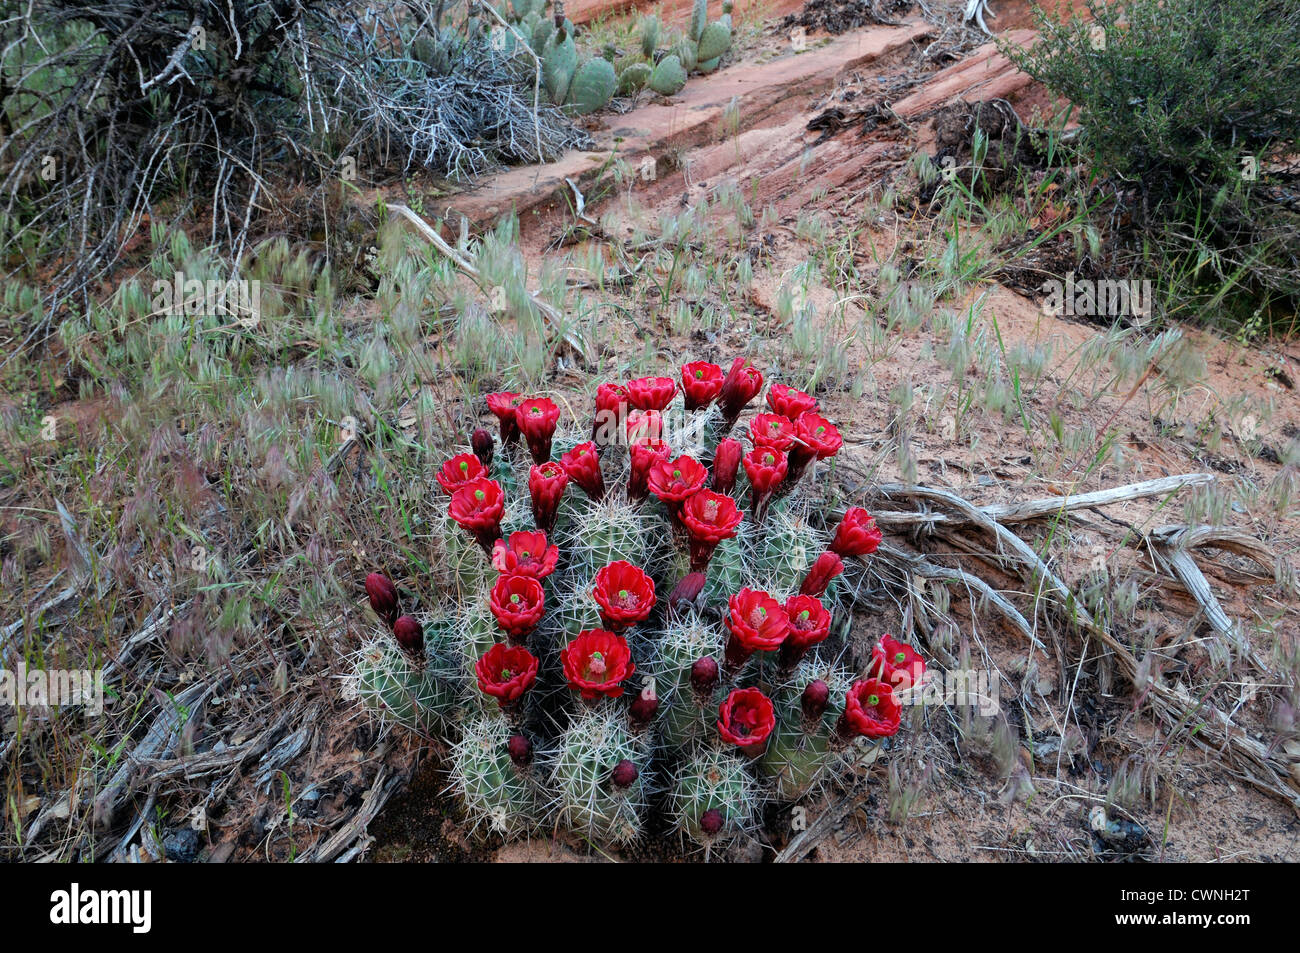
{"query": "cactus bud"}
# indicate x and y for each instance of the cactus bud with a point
(481, 441)
(815, 698)
(410, 636)
(624, 774)
(383, 596)
(711, 821)
(687, 591)
(704, 675)
(643, 709)
(726, 461)
(520, 749)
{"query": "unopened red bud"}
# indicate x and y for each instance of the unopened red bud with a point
(410, 635)
(686, 591)
(726, 461)
(521, 750)
(704, 675)
(711, 821)
(643, 709)
(625, 774)
(383, 596)
(481, 441)
(815, 698)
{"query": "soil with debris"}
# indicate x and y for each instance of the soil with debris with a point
(839, 16)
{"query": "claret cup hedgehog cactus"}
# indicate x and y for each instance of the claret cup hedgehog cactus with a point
(634, 614)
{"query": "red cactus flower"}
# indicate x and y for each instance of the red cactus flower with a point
(644, 425)
(505, 672)
(766, 468)
(481, 441)
(816, 696)
(827, 567)
(709, 518)
(857, 534)
(582, 463)
(743, 381)
(459, 470)
(757, 623)
(810, 623)
(625, 595)
(897, 663)
(788, 402)
(686, 591)
(870, 709)
(596, 663)
(383, 597)
(726, 461)
(651, 393)
(815, 438)
(611, 409)
(536, 419)
(518, 603)
(526, 553)
(746, 719)
(643, 709)
(771, 430)
(674, 480)
(644, 455)
(701, 383)
(409, 635)
(478, 507)
(546, 485)
(503, 406)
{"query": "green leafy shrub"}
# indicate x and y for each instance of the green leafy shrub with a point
(1188, 114)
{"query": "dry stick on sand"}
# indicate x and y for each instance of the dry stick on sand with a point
(550, 313)
(1214, 733)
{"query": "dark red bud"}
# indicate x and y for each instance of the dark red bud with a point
(481, 441)
(704, 675)
(815, 698)
(521, 750)
(383, 596)
(410, 635)
(686, 591)
(643, 709)
(625, 774)
(711, 821)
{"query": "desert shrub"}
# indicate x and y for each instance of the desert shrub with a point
(118, 112)
(1187, 110)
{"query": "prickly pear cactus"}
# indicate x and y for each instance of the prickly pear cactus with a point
(593, 86)
(669, 76)
(625, 619)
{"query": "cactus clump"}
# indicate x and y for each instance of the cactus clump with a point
(653, 646)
